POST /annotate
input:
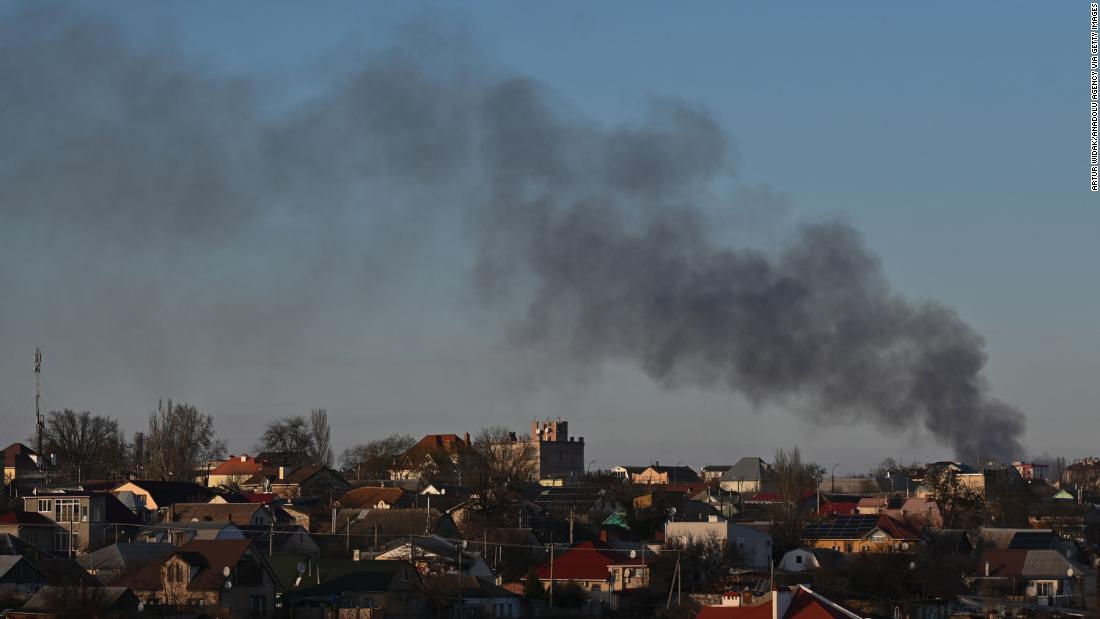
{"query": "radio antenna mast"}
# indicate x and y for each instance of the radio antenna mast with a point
(39, 425)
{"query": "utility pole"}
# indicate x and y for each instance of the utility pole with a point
(551, 574)
(39, 424)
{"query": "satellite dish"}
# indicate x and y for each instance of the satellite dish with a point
(298, 581)
(141, 607)
(633, 554)
(301, 567)
(1069, 572)
(225, 571)
(228, 585)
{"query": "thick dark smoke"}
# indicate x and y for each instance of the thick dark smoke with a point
(144, 156)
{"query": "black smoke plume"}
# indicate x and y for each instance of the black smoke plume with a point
(156, 171)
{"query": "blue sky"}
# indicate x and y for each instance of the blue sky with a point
(953, 135)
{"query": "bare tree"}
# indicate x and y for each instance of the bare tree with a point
(373, 460)
(793, 480)
(960, 506)
(180, 439)
(300, 440)
(320, 434)
(86, 445)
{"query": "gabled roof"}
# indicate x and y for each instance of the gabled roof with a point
(675, 473)
(165, 493)
(370, 496)
(747, 469)
(19, 455)
(434, 444)
(716, 468)
(125, 556)
(237, 513)
(241, 465)
(856, 527)
(210, 556)
(14, 516)
(358, 576)
(591, 560)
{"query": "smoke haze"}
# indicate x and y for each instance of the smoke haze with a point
(185, 216)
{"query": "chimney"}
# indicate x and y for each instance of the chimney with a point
(467, 439)
(244, 458)
(282, 472)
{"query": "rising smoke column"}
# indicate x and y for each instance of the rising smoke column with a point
(151, 172)
(624, 269)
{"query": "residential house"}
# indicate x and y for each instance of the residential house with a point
(861, 533)
(802, 559)
(1041, 576)
(626, 473)
(31, 527)
(237, 513)
(434, 457)
(390, 589)
(1031, 470)
(714, 472)
(113, 602)
(20, 576)
(282, 539)
(916, 512)
(581, 505)
(752, 548)
(799, 602)
(155, 498)
(22, 465)
(746, 475)
(237, 469)
(230, 574)
(180, 533)
(110, 563)
(372, 497)
(85, 520)
(656, 474)
(366, 529)
(601, 568)
(479, 597)
(432, 554)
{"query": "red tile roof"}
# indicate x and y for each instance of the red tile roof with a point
(590, 561)
(760, 611)
(12, 516)
(435, 444)
(241, 465)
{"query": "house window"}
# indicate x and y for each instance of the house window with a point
(596, 586)
(798, 559)
(45, 506)
(177, 573)
(1044, 588)
(67, 510)
(64, 541)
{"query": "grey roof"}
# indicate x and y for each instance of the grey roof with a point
(990, 538)
(746, 469)
(40, 599)
(1048, 563)
(125, 556)
(713, 468)
(7, 562)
